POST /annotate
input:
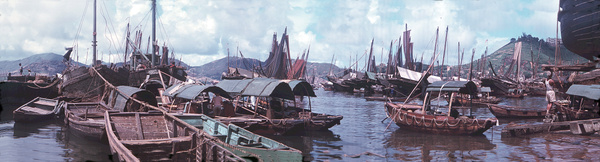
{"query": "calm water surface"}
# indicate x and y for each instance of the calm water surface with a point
(361, 131)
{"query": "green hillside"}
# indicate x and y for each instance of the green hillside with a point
(532, 49)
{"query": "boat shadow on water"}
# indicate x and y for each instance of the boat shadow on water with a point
(24, 130)
(315, 145)
(411, 146)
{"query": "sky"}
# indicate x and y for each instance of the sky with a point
(201, 31)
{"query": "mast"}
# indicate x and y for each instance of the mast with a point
(435, 45)
(459, 65)
(228, 58)
(471, 68)
(370, 56)
(153, 32)
(94, 40)
(126, 45)
(444, 55)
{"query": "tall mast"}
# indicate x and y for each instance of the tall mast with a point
(435, 45)
(458, 61)
(153, 32)
(94, 40)
(444, 55)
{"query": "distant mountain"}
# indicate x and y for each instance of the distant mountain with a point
(45, 63)
(215, 68)
(532, 49)
(51, 63)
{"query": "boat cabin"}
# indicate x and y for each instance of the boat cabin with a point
(584, 101)
(260, 95)
(122, 99)
(450, 88)
(194, 98)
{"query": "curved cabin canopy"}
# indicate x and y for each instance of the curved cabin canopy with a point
(301, 88)
(191, 91)
(588, 91)
(464, 87)
(259, 87)
(122, 98)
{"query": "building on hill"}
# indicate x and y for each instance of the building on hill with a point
(552, 41)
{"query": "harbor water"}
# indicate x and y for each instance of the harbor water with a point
(363, 135)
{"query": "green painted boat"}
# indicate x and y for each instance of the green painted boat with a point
(241, 141)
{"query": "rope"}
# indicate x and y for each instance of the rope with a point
(44, 87)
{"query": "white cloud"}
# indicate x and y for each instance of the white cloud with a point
(201, 30)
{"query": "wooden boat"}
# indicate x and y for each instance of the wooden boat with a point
(505, 111)
(156, 136)
(21, 89)
(460, 101)
(86, 119)
(84, 83)
(578, 22)
(379, 98)
(428, 118)
(241, 141)
(38, 109)
(583, 103)
(268, 113)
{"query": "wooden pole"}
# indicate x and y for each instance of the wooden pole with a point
(471, 66)
(435, 45)
(444, 55)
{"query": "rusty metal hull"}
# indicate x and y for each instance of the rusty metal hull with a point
(439, 124)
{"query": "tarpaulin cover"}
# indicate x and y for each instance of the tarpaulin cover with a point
(260, 87)
(191, 91)
(415, 76)
(128, 92)
(587, 91)
(466, 87)
(301, 88)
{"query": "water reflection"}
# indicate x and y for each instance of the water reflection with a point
(23, 130)
(46, 141)
(412, 146)
(315, 145)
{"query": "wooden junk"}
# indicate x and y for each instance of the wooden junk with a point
(436, 119)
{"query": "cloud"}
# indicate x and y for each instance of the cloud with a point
(202, 30)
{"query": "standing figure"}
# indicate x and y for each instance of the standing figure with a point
(20, 69)
(550, 96)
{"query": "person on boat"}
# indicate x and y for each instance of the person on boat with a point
(20, 69)
(550, 95)
(217, 103)
(172, 67)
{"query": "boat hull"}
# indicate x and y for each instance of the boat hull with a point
(22, 92)
(156, 136)
(250, 144)
(441, 124)
(579, 22)
(504, 111)
(573, 114)
(86, 119)
(36, 110)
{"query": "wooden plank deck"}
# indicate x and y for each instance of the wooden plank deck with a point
(36, 110)
(578, 127)
(528, 129)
